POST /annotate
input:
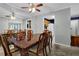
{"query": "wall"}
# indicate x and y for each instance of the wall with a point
(37, 24)
(78, 28)
(4, 24)
(62, 26)
(24, 24)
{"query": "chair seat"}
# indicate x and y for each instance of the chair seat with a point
(11, 46)
(13, 49)
(34, 50)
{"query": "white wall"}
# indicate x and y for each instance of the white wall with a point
(37, 25)
(62, 26)
(4, 24)
(78, 28)
(24, 24)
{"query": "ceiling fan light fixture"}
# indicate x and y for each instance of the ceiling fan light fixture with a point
(13, 17)
(33, 9)
(30, 9)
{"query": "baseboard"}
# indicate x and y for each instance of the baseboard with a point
(66, 46)
(62, 44)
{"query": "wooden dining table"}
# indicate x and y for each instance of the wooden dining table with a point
(24, 45)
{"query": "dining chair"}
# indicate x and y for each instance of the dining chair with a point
(21, 35)
(11, 35)
(41, 46)
(50, 38)
(29, 34)
(7, 46)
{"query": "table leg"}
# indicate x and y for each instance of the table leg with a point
(24, 52)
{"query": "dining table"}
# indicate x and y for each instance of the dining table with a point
(24, 45)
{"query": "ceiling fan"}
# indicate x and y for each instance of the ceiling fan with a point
(33, 7)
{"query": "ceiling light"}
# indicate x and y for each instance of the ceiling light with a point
(30, 9)
(33, 9)
(13, 17)
(53, 17)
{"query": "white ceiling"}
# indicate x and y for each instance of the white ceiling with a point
(7, 8)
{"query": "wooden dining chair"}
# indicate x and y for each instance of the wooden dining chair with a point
(11, 35)
(5, 46)
(21, 36)
(50, 38)
(41, 46)
(8, 47)
(29, 34)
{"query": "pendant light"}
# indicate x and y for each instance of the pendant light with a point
(13, 16)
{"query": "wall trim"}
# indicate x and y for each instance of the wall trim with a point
(62, 44)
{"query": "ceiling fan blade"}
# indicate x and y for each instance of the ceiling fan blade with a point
(24, 7)
(7, 15)
(38, 10)
(39, 5)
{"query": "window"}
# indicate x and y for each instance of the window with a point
(14, 26)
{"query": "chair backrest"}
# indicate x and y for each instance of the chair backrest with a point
(50, 34)
(42, 42)
(10, 33)
(29, 34)
(5, 45)
(46, 39)
(20, 35)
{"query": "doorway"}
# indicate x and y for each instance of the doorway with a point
(49, 25)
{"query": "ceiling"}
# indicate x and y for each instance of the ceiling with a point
(7, 8)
